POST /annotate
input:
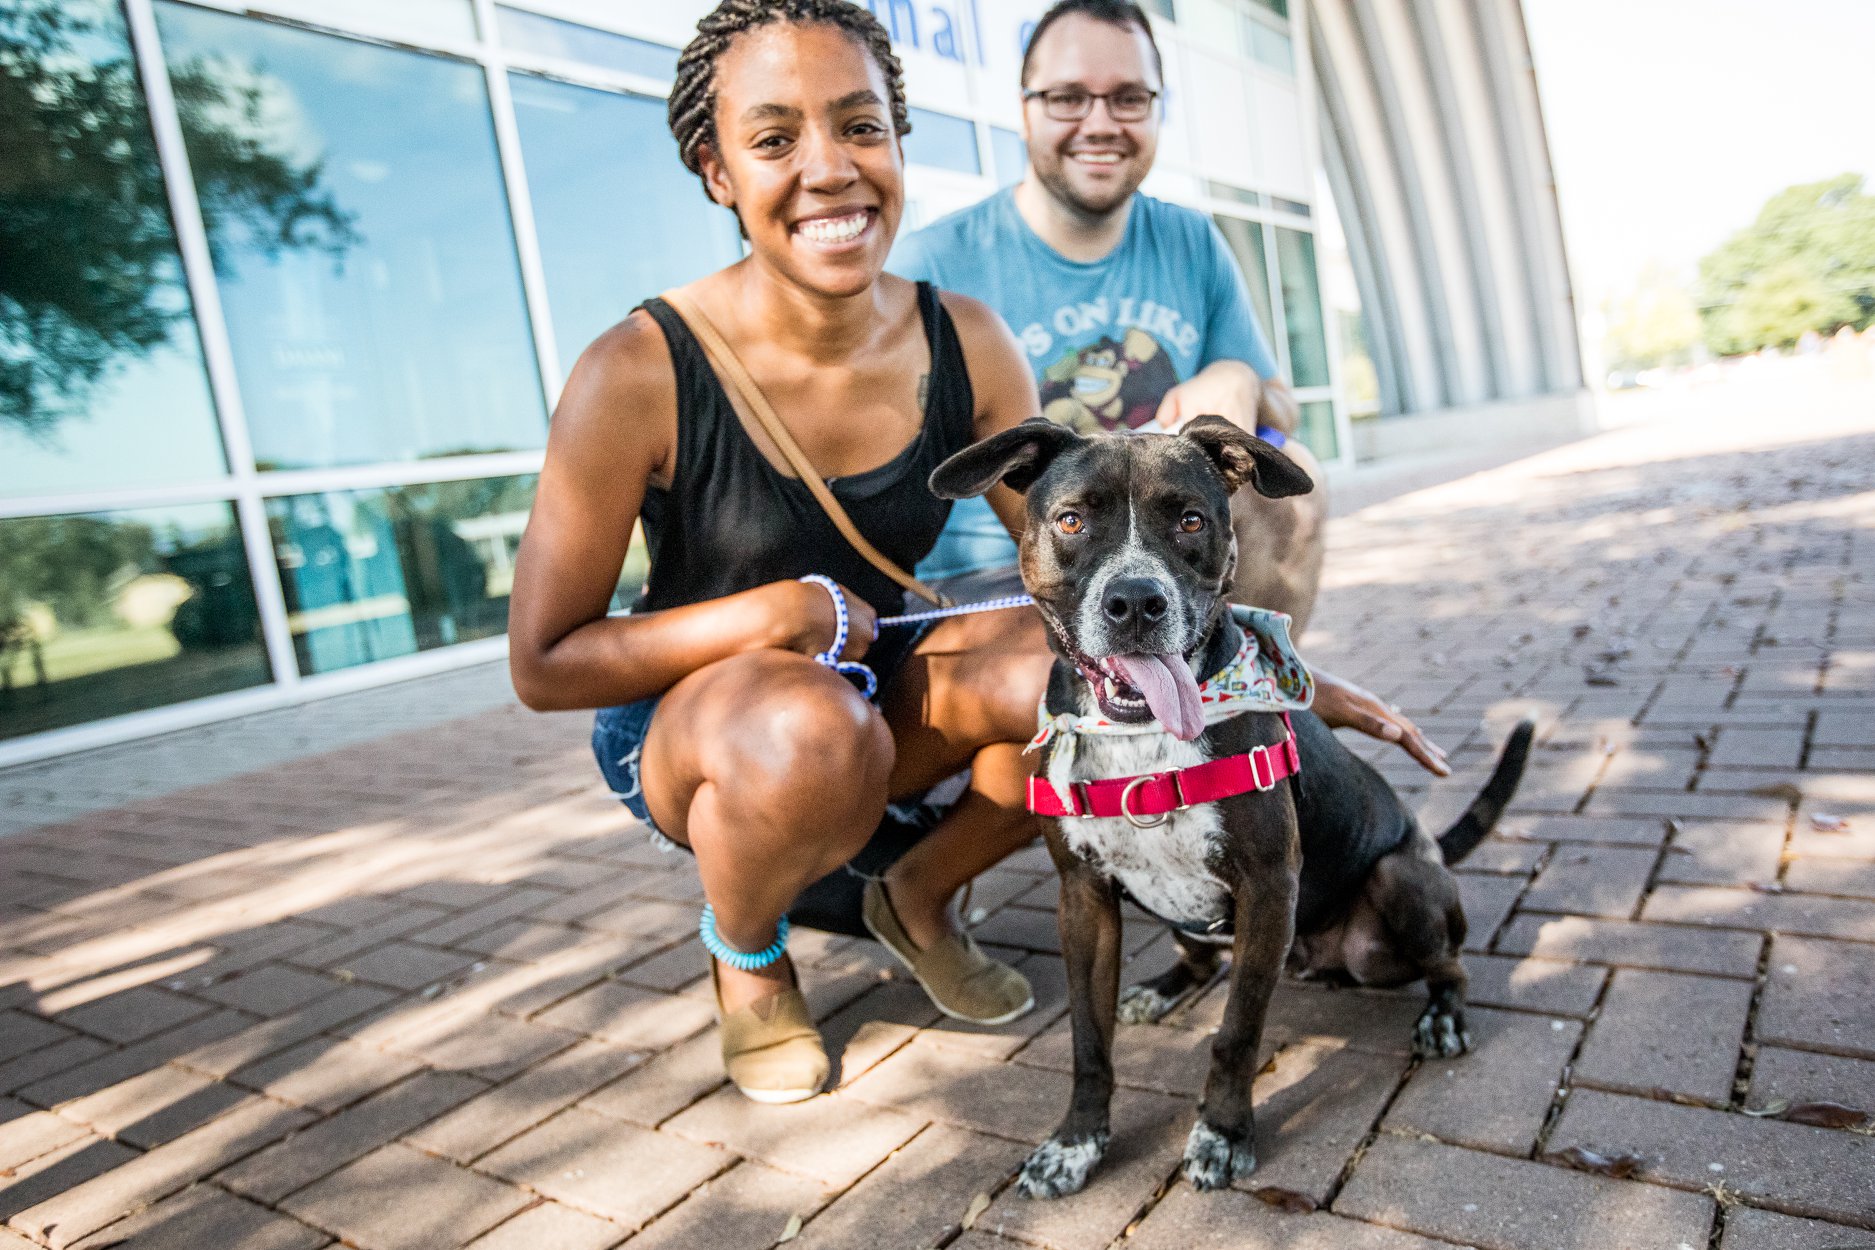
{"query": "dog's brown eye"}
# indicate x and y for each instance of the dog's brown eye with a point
(1191, 523)
(1070, 523)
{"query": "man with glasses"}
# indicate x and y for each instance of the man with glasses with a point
(1133, 314)
(1132, 311)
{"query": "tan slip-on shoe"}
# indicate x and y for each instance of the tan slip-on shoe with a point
(771, 1050)
(963, 982)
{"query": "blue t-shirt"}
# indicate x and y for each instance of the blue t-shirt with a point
(1107, 339)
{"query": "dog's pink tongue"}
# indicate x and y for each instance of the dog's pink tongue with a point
(1170, 690)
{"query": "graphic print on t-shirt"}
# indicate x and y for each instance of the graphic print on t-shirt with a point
(1110, 384)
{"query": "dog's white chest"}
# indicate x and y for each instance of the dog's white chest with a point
(1166, 868)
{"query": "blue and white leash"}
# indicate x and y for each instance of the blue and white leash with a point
(842, 619)
(960, 609)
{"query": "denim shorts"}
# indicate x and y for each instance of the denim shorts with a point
(618, 733)
(618, 739)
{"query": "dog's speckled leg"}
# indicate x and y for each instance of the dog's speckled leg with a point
(1144, 1004)
(1090, 930)
(1059, 1166)
(1151, 1000)
(1441, 1032)
(1223, 1143)
(1213, 1160)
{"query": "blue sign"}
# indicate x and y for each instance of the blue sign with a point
(936, 28)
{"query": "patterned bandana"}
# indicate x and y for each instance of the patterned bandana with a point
(1266, 675)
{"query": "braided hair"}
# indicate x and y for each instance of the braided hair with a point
(692, 109)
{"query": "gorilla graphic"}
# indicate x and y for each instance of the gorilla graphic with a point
(1109, 384)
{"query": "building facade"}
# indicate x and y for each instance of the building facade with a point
(1432, 142)
(291, 287)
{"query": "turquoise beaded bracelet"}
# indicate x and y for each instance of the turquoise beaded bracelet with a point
(726, 954)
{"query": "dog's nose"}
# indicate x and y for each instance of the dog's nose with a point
(1135, 601)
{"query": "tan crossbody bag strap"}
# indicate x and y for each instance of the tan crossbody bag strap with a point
(724, 358)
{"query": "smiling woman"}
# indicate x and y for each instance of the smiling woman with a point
(716, 725)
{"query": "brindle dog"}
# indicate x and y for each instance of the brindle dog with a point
(1129, 553)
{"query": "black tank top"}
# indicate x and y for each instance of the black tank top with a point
(731, 521)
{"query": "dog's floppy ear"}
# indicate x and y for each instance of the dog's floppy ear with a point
(1016, 457)
(1242, 457)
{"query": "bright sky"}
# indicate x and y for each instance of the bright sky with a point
(1672, 121)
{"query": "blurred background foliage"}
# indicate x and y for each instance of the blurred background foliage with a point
(1805, 266)
(74, 565)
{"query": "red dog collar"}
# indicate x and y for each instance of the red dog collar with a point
(1156, 794)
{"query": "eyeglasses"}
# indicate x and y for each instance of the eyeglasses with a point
(1071, 104)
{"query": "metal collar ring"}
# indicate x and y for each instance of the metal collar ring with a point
(1126, 797)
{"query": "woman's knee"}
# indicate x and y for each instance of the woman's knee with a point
(812, 743)
(787, 727)
(810, 763)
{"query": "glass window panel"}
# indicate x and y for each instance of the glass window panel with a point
(1162, 8)
(1270, 46)
(618, 216)
(1010, 153)
(549, 36)
(101, 380)
(1246, 241)
(371, 574)
(1302, 307)
(1360, 380)
(114, 612)
(422, 19)
(393, 328)
(1281, 205)
(1279, 7)
(1318, 429)
(1224, 191)
(943, 142)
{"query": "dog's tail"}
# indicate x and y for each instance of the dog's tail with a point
(1472, 828)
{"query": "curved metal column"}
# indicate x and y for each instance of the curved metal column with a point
(1432, 135)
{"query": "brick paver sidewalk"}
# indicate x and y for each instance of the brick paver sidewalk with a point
(435, 989)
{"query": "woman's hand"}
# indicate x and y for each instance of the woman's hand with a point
(1343, 705)
(804, 619)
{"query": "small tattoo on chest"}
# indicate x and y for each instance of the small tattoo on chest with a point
(924, 389)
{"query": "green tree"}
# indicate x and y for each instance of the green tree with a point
(74, 565)
(1807, 263)
(1653, 324)
(88, 266)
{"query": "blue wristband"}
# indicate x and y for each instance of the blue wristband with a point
(831, 656)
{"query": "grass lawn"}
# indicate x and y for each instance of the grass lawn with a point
(81, 652)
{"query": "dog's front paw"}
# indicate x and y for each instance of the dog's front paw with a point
(1059, 1166)
(1142, 1004)
(1441, 1032)
(1213, 1160)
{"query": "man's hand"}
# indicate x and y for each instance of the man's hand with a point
(1343, 705)
(1228, 388)
(1278, 408)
